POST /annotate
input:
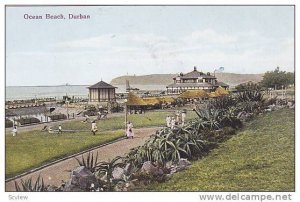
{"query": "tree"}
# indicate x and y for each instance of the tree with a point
(275, 79)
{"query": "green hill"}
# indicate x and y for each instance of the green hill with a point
(165, 79)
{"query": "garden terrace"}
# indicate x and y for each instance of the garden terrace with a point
(261, 157)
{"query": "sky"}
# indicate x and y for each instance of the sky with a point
(140, 40)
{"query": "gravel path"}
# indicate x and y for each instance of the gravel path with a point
(60, 171)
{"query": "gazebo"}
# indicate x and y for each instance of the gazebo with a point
(101, 92)
(152, 102)
(167, 100)
(193, 94)
(134, 102)
(221, 91)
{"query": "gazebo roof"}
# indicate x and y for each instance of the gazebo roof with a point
(193, 94)
(213, 94)
(221, 91)
(102, 84)
(166, 99)
(134, 100)
(151, 101)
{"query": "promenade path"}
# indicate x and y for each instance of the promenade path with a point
(57, 172)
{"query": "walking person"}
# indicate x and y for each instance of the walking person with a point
(14, 131)
(130, 133)
(94, 127)
(173, 123)
(59, 129)
(168, 120)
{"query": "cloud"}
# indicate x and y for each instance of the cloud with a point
(207, 48)
(111, 55)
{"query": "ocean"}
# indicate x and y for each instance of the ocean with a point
(31, 92)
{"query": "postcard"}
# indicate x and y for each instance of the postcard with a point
(150, 98)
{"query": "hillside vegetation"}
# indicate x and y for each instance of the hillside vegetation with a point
(165, 79)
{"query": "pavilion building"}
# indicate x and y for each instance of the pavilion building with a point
(194, 80)
(102, 92)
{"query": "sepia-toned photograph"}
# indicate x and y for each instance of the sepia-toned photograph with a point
(153, 98)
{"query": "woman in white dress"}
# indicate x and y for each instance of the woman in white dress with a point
(168, 120)
(130, 132)
(173, 123)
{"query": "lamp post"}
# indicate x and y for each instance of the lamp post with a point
(67, 102)
(220, 70)
(125, 101)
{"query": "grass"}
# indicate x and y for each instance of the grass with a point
(32, 149)
(156, 118)
(35, 148)
(259, 158)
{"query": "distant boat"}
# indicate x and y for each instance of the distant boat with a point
(128, 88)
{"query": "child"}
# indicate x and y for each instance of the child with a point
(94, 127)
(14, 131)
(59, 129)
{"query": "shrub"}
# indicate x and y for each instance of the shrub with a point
(8, 123)
(29, 120)
(58, 117)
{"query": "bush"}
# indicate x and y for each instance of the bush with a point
(8, 123)
(57, 117)
(29, 120)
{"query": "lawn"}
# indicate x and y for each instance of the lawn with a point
(150, 118)
(34, 148)
(259, 158)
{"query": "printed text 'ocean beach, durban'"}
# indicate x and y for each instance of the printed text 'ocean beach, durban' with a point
(48, 16)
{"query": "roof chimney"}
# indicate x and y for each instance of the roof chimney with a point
(195, 68)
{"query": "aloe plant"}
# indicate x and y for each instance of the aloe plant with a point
(251, 95)
(210, 117)
(30, 186)
(175, 150)
(90, 162)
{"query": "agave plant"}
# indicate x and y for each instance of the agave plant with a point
(251, 95)
(223, 103)
(175, 151)
(106, 169)
(229, 118)
(90, 162)
(30, 186)
(210, 117)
